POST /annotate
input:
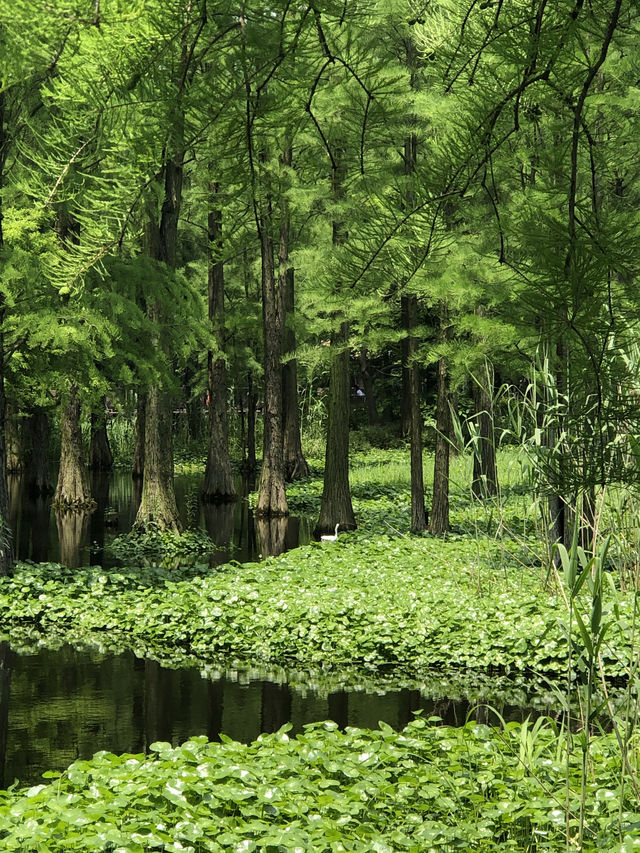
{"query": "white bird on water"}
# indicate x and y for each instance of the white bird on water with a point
(329, 537)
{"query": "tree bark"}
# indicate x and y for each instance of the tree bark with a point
(485, 470)
(6, 548)
(14, 444)
(295, 465)
(137, 471)
(272, 499)
(367, 386)
(405, 398)
(36, 475)
(218, 476)
(418, 514)
(72, 491)
(410, 317)
(439, 517)
(336, 507)
(561, 506)
(158, 501)
(100, 455)
(193, 401)
(252, 405)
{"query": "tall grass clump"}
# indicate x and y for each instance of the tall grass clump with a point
(121, 431)
(593, 611)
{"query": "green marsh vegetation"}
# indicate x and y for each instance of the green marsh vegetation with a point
(251, 228)
(379, 608)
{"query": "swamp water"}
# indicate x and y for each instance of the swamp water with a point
(77, 539)
(57, 706)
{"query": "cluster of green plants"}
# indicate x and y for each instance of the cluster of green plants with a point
(121, 431)
(156, 546)
(368, 603)
(427, 788)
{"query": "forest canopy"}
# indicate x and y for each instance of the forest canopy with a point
(204, 199)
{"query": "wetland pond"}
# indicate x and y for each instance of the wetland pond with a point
(60, 705)
(81, 539)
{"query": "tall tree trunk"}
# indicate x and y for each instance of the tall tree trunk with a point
(6, 548)
(272, 499)
(158, 501)
(295, 465)
(137, 471)
(485, 470)
(410, 316)
(418, 515)
(439, 518)
(336, 507)
(100, 455)
(218, 476)
(367, 386)
(252, 405)
(37, 477)
(405, 396)
(14, 445)
(72, 491)
(193, 401)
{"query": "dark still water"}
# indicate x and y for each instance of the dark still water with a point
(57, 706)
(77, 539)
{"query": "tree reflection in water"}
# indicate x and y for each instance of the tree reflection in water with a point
(66, 704)
(5, 689)
(219, 521)
(231, 526)
(272, 535)
(73, 536)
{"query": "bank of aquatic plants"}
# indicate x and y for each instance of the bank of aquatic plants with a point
(162, 547)
(377, 604)
(427, 788)
(376, 607)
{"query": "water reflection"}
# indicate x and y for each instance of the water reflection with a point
(78, 539)
(219, 523)
(73, 532)
(57, 706)
(5, 684)
(272, 534)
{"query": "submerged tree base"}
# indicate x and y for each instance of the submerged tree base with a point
(77, 505)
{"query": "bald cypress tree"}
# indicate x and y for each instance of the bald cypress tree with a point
(218, 477)
(158, 501)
